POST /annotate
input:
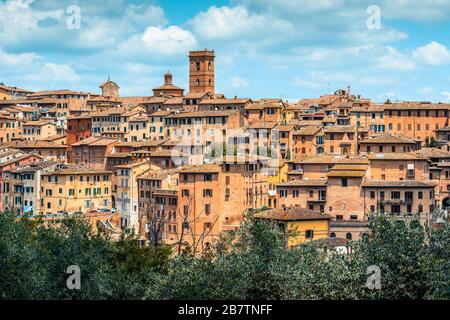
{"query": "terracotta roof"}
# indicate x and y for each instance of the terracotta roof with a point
(205, 168)
(193, 95)
(56, 92)
(75, 169)
(39, 123)
(15, 89)
(341, 129)
(118, 155)
(389, 138)
(285, 127)
(295, 213)
(35, 144)
(167, 153)
(370, 108)
(225, 101)
(346, 173)
(262, 106)
(148, 143)
(395, 156)
(432, 153)
(168, 87)
(94, 141)
(350, 167)
(174, 100)
(333, 159)
(307, 131)
(158, 175)
(398, 184)
(201, 114)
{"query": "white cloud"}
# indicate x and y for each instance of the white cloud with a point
(426, 90)
(226, 23)
(433, 54)
(307, 84)
(446, 94)
(171, 40)
(238, 82)
(10, 61)
(395, 60)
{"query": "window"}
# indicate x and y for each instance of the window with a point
(309, 234)
(332, 235)
(185, 193)
(395, 209)
(344, 182)
(283, 193)
(372, 194)
(207, 209)
(420, 195)
(395, 195)
(348, 236)
(207, 193)
(207, 177)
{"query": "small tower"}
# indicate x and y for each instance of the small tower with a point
(110, 89)
(201, 71)
(168, 78)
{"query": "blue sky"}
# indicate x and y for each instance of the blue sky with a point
(290, 49)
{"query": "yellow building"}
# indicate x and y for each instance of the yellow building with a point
(300, 225)
(277, 173)
(38, 130)
(75, 189)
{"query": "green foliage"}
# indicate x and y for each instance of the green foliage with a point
(430, 142)
(34, 259)
(252, 262)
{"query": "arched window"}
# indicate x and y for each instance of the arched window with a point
(320, 150)
(210, 82)
(209, 66)
(197, 65)
(197, 82)
(332, 235)
(348, 236)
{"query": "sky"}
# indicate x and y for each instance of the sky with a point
(289, 49)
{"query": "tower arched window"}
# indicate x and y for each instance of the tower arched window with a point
(209, 66)
(197, 65)
(210, 82)
(197, 82)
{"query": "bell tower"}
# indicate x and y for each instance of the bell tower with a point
(201, 71)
